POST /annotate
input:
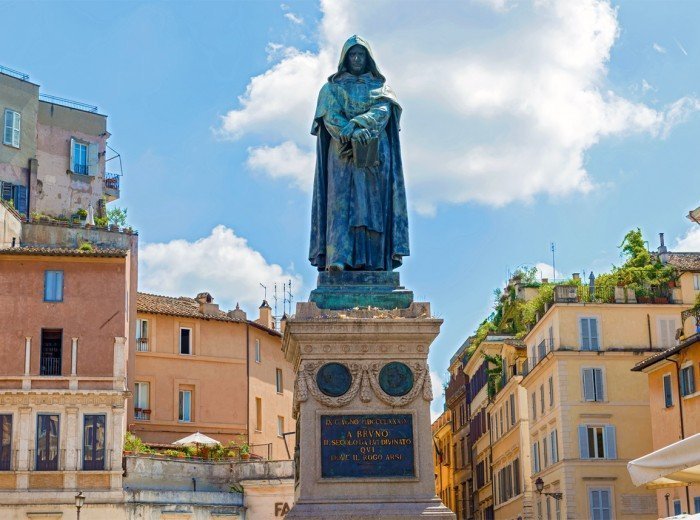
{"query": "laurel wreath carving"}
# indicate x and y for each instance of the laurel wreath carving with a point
(365, 380)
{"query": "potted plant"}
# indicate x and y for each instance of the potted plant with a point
(244, 450)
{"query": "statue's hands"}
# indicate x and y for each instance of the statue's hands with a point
(362, 135)
(346, 132)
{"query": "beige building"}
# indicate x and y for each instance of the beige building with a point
(53, 157)
(508, 415)
(588, 414)
(201, 369)
(443, 459)
(456, 402)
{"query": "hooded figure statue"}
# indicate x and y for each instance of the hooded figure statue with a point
(359, 217)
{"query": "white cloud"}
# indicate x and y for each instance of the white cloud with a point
(285, 160)
(545, 270)
(690, 241)
(658, 48)
(488, 120)
(295, 19)
(436, 407)
(646, 86)
(222, 264)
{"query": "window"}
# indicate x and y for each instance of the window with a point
(667, 332)
(83, 157)
(541, 398)
(534, 406)
(184, 413)
(94, 442)
(142, 335)
(554, 446)
(545, 452)
(508, 423)
(551, 338)
(549, 509)
(696, 281)
(141, 399)
(512, 408)
(516, 477)
(258, 414)
(551, 391)
(53, 286)
(696, 503)
(47, 442)
(597, 442)
(11, 134)
(536, 457)
(557, 509)
(599, 503)
(280, 426)
(257, 351)
(687, 380)
(50, 361)
(16, 194)
(5, 442)
(500, 414)
(593, 388)
(589, 334)
(541, 350)
(668, 391)
(185, 341)
(278, 381)
(677, 507)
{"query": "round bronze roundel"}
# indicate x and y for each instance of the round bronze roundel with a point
(333, 379)
(396, 379)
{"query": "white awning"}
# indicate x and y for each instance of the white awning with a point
(196, 438)
(677, 464)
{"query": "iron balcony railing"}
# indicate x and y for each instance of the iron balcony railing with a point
(50, 366)
(14, 73)
(142, 414)
(141, 344)
(112, 181)
(67, 103)
(611, 294)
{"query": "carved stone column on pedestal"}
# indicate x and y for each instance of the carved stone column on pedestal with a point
(362, 402)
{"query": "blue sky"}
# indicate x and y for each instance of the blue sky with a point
(522, 126)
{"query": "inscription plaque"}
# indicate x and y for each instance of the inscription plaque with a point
(367, 446)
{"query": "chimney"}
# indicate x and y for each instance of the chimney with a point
(265, 318)
(663, 250)
(206, 303)
(576, 277)
(545, 280)
(283, 322)
(238, 314)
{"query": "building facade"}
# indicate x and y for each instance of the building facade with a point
(53, 157)
(443, 458)
(201, 369)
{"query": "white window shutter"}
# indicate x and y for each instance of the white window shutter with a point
(93, 159)
(610, 443)
(17, 129)
(588, 385)
(72, 154)
(583, 442)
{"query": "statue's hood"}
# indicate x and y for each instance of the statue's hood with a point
(351, 42)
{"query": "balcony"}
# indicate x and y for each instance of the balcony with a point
(141, 344)
(50, 366)
(111, 186)
(612, 294)
(142, 414)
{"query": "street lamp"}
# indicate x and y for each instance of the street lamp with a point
(79, 501)
(539, 484)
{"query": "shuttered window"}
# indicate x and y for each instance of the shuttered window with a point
(11, 135)
(536, 457)
(667, 332)
(53, 286)
(668, 391)
(593, 385)
(554, 446)
(599, 503)
(687, 380)
(589, 334)
(597, 442)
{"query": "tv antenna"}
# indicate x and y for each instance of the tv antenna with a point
(554, 269)
(288, 296)
(265, 293)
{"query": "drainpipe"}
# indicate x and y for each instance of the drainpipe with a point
(649, 330)
(680, 410)
(247, 378)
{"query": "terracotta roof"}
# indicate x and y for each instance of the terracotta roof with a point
(666, 353)
(684, 261)
(64, 251)
(187, 308)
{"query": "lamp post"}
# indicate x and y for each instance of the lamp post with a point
(539, 484)
(79, 501)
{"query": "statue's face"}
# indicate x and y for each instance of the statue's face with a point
(356, 60)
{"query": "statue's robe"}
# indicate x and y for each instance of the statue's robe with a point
(359, 216)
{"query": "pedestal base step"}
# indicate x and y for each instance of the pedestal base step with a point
(430, 509)
(349, 289)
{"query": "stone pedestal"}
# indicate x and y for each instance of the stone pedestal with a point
(362, 404)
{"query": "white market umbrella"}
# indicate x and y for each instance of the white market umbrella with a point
(677, 464)
(90, 215)
(196, 438)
